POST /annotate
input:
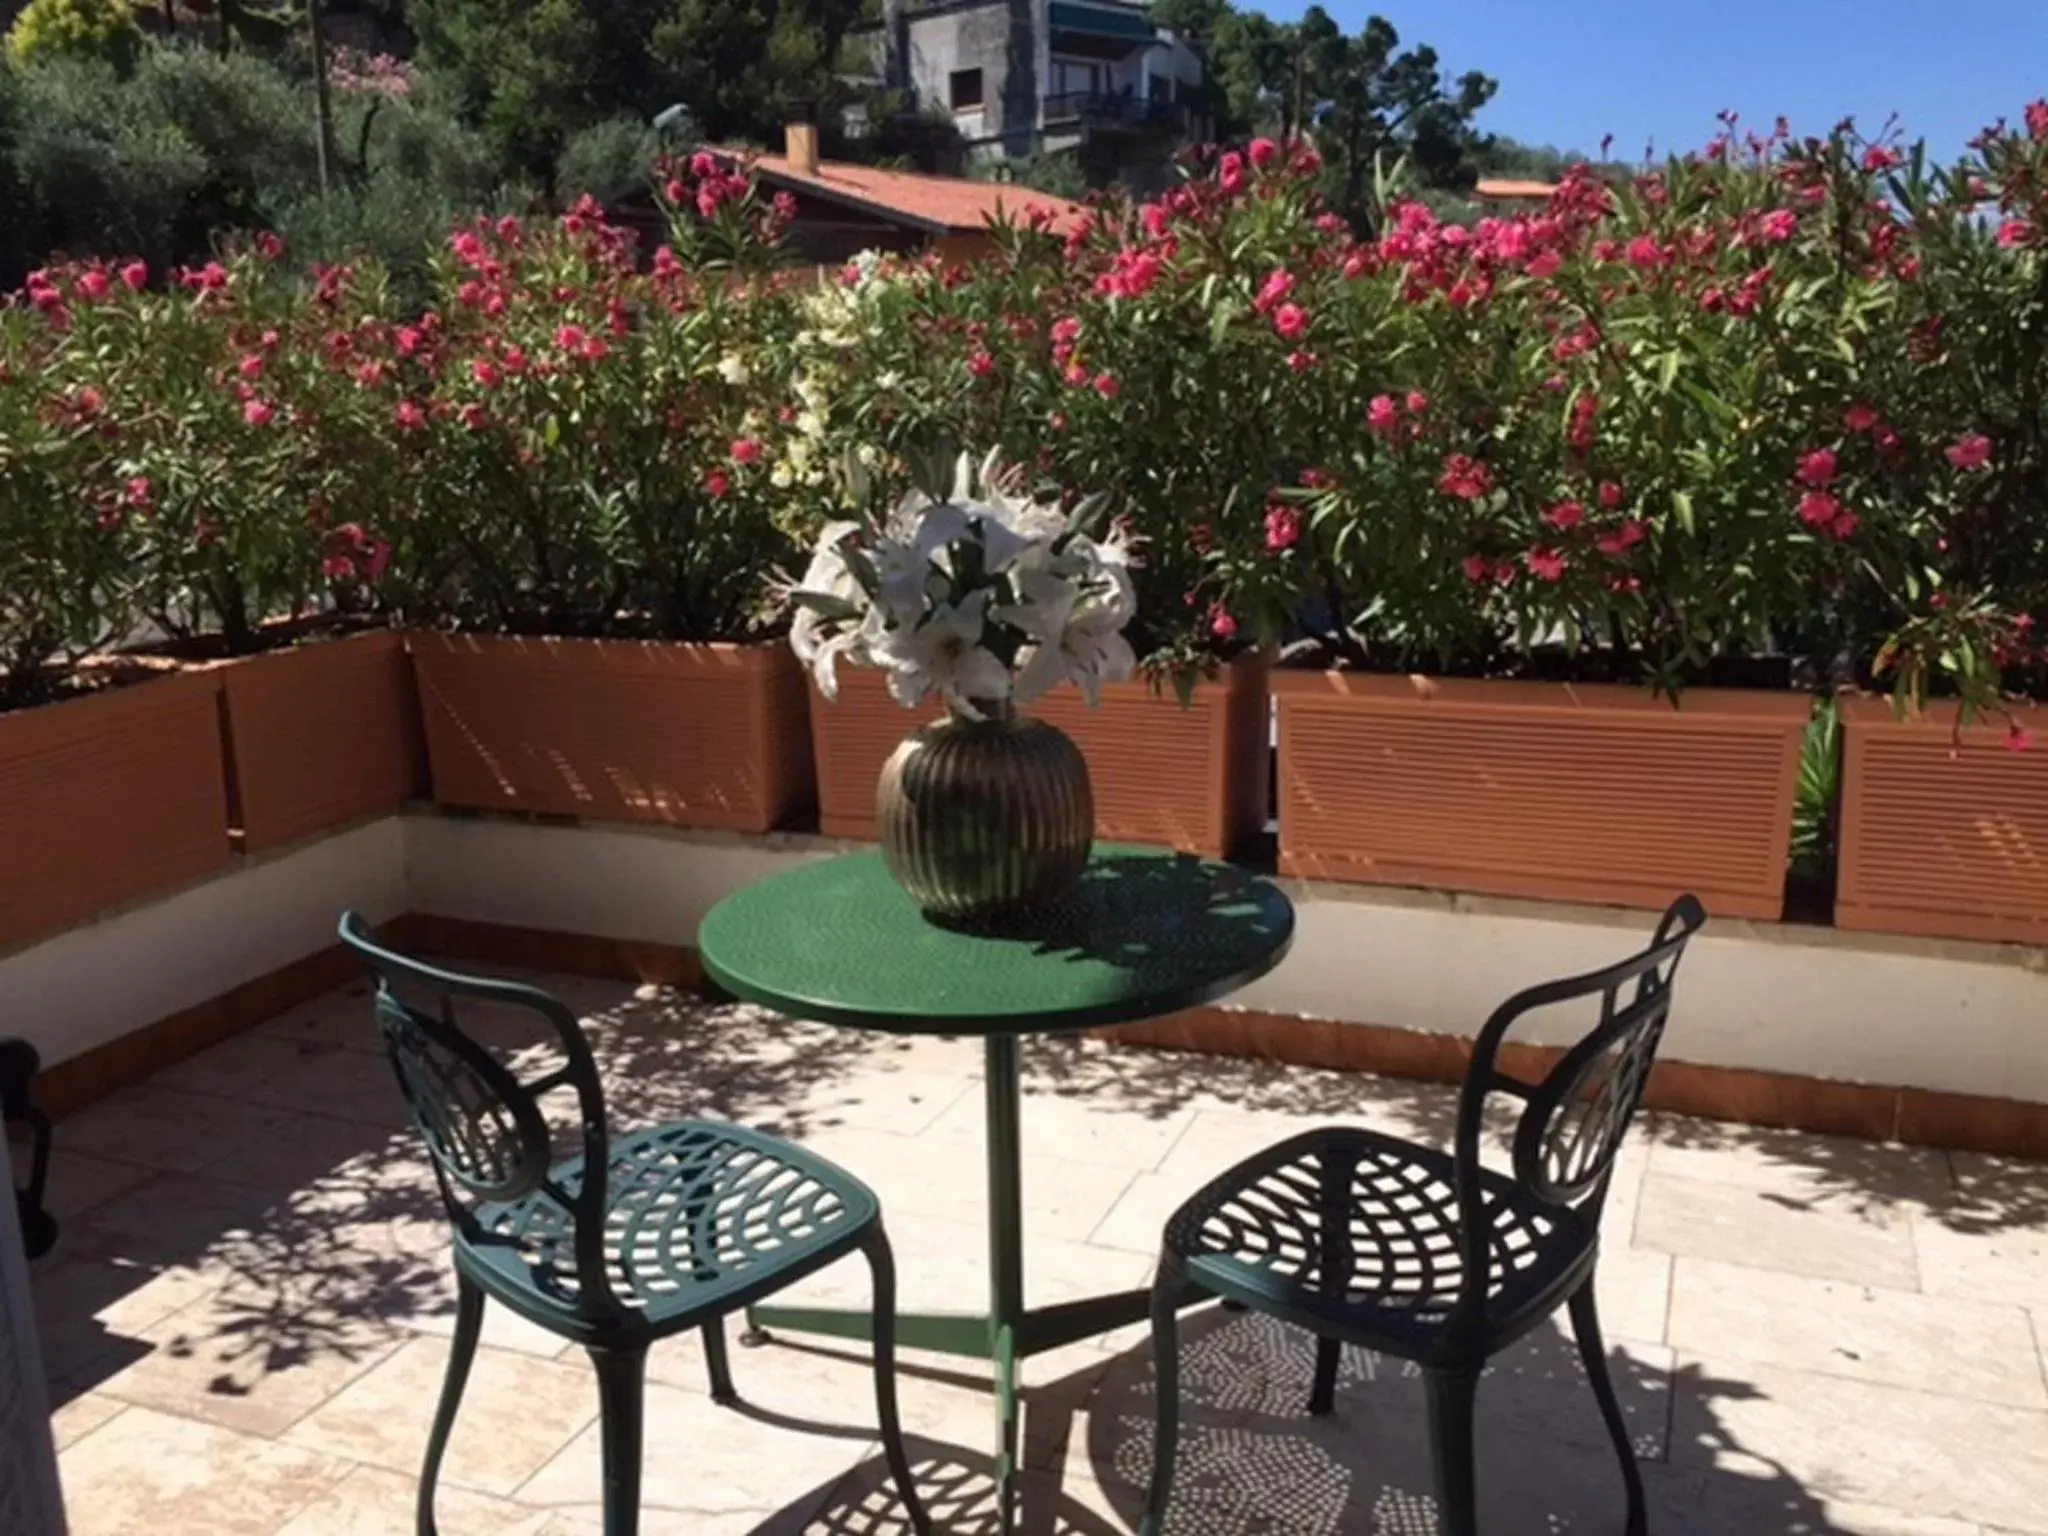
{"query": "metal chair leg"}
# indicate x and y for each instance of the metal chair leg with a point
(622, 1406)
(1323, 1398)
(1166, 1293)
(716, 1361)
(882, 1264)
(1586, 1328)
(1452, 1396)
(469, 1324)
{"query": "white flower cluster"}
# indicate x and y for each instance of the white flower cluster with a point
(981, 600)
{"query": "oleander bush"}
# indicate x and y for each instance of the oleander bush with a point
(1773, 411)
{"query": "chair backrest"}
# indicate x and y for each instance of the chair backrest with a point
(484, 1124)
(1572, 1121)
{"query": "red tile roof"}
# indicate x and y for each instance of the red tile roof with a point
(940, 204)
(1509, 189)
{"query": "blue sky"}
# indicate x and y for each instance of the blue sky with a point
(1573, 70)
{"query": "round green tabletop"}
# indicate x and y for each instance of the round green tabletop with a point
(1144, 933)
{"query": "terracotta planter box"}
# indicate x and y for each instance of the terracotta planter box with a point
(1193, 779)
(1942, 837)
(322, 735)
(109, 798)
(616, 730)
(1544, 790)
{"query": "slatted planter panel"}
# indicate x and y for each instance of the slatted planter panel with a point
(1943, 833)
(109, 798)
(1193, 778)
(1551, 791)
(323, 735)
(616, 730)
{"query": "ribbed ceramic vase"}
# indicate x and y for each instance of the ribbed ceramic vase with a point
(984, 818)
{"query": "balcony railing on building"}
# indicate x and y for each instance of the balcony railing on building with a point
(1115, 109)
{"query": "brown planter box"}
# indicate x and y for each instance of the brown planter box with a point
(109, 798)
(1546, 790)
(1941, 836)
(616, 730)
(1193, 779)
(322, 735)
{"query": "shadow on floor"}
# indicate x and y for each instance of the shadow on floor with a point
(315, 1223)
(1254, 1463)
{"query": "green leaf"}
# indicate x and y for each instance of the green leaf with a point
(1681, 509)
(827, 606)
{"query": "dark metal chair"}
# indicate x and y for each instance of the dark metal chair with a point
(632, 1241)
(18, 1065)
(1430, 1256)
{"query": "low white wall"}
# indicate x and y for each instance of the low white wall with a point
(139, 964)
(652, 886)
(1965, 1018)
(1814, 1002)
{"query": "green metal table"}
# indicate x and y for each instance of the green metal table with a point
(1144, 933)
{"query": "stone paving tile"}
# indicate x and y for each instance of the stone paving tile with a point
(93, 1318)
(942, 1266)
(720, 1465)
(1896, 1448)
(235, 1066)
(176, 1132)
(373, 1502)
(155, 1474)
(1963, 1349)
(1708, 1219)
(1991, 1242)
(73, 1421)
(1077, 1128)
(1063, 1199)
(78, 1181)
(1805, 1171)
(248, 1359)
(517, 1413)
(344, 1017)
(1244, 1372)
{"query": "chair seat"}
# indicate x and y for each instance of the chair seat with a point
(701, 1218)
(1256, 1234)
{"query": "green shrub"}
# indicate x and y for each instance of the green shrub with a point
(605, 159)
(91, 29)
(97, 175)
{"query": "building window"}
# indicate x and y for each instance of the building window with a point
(1159, 88)
(965, 89)
(1077, 77)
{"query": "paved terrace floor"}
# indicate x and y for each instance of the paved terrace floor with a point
(245, 1324)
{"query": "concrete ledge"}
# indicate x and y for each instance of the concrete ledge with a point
(1930, 1041)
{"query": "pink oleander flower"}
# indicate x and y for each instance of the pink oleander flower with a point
(1816, 469)
(1464, 477)
(1972, 452)
(1283, 528)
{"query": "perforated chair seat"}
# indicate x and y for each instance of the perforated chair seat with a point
(1257, 1235)
(701, 1218)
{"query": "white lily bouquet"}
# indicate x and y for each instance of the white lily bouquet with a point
(970, 590)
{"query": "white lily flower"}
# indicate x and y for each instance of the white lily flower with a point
(945, 654)
(733, 369)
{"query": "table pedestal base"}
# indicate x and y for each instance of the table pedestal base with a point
(1008, 1333)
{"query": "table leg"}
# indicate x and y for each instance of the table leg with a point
(1005, 1263)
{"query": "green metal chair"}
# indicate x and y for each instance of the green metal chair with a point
(631, 1242)
(1430, 1256)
